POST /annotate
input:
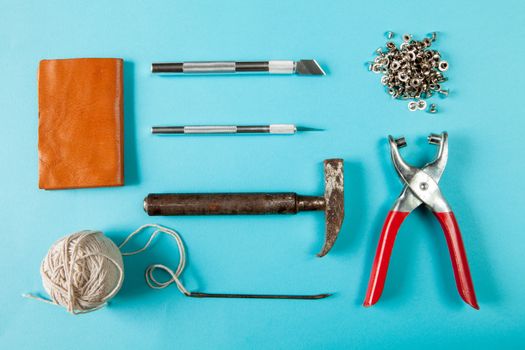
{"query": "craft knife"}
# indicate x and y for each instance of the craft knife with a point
(302, 67)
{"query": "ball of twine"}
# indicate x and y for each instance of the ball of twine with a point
(82, 271)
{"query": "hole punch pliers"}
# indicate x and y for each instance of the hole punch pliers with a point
(421, 187)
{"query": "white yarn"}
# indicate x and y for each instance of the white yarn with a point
(84, 270)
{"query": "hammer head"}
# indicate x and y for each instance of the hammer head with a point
(335, 203)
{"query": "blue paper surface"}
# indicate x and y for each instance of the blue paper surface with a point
(420, 307)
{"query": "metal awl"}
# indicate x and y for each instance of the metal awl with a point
(274, 129)
(258, 296)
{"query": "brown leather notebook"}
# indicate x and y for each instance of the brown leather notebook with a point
(80, 128)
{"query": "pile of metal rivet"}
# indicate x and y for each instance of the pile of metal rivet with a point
(411, 71)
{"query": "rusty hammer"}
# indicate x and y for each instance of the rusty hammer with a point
(332, 203)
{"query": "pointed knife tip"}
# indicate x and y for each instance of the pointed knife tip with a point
(320, 68)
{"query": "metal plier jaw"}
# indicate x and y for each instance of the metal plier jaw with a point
(421, 187)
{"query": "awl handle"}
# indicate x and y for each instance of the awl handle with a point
(230, 203)
(277, 129)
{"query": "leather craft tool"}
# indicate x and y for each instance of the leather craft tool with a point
(421, 187)
(332, 203)
(302, 67)
(257, 296)
(275, 129)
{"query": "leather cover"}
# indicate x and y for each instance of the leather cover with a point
(80, 132)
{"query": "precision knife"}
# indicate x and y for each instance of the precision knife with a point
(302, 67)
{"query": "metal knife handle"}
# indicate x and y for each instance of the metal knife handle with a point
(272, 67)
(208, 67)
(210, 129)
(221, 204)
(167, 68)
(194, 67)
(200, 129)
(261, 66)
(167, 130)
(282, 129)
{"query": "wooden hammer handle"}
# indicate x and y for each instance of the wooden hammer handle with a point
(222, 204)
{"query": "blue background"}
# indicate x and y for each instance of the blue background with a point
(420, 307)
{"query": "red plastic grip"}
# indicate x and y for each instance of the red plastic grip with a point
(458, 257)
(382, 258)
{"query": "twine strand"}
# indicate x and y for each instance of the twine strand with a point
(149, 273)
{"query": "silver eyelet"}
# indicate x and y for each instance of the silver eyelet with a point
(443, 66)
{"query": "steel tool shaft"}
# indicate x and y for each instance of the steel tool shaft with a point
(258, 296)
